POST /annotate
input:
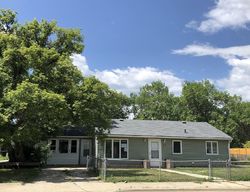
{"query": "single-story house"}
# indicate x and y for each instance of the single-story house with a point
(152, 140)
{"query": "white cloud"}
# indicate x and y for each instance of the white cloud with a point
(130, 79)
(225, 14)
(80, 62)
(238, 57)
(207, 50)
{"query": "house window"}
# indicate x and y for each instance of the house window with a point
(212, 148)
(108, 149)
(124, 149)
(116, 148)
(73, 146)
(63, 146)
(53, 145)
(177, 147)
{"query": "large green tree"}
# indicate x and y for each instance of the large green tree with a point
(41, 90)
(96, 105)
(155, 102)
(33, 115)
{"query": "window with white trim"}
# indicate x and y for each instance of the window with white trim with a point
(116, 148)
(177, 147)
(212, 148)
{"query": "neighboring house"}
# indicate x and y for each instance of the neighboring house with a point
(151, 140)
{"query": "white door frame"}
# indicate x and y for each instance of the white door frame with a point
(154, 162)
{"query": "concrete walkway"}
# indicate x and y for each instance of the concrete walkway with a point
(98, 186)
(191, 174)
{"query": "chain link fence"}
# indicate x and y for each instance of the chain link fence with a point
(122, 170)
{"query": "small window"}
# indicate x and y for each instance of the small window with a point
(155, 153)
(116, 151)
(124, 149)
(73, 146)
(177, 147)
(63, 146)
(86, 152)
(53, 145)
(108, 148)
(212, 147)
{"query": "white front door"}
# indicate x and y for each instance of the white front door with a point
(86, 150)
(154, 147)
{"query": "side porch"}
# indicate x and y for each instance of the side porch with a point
(70, 150)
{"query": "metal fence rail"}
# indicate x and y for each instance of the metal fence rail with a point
(200, 169)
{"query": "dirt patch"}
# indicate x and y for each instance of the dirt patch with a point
(64, 174)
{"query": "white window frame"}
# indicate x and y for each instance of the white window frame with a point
(112, 148)
(173, 147)
(212, 151)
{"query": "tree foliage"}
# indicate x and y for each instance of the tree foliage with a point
(41, 90)
(155, 102)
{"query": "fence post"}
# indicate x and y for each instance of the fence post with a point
(209, 169)
(160, 170)
(87, 164)
(104, 169)
(228, 164)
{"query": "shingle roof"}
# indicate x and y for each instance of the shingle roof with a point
(73, 131)
(172, 129)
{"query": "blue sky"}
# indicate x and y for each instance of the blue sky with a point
(133, 42)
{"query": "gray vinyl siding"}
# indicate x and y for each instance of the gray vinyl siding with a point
(191, 149)
(194, 150)
(138, 148)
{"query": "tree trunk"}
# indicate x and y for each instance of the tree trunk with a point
(16, 153)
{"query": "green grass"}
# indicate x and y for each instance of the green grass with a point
(145, 175)
(3, 158)
(19, 175)
(237, 173)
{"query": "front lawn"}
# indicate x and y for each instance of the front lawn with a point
(237, 173)
(145, 175)
(19, 175)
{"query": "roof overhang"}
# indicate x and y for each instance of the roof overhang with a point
(169, 137)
